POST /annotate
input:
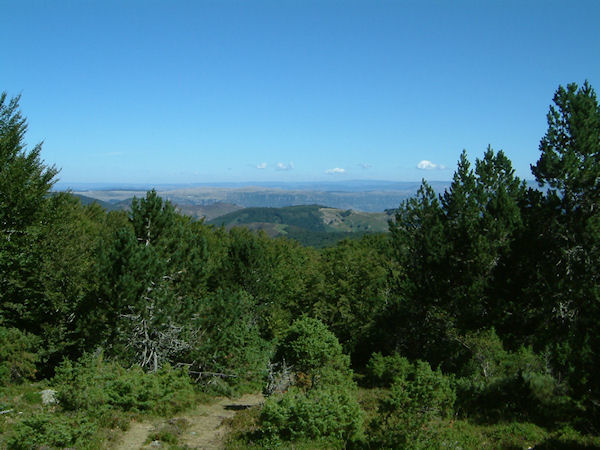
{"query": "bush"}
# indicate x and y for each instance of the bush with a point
(322, 403)
(319, 413)
(515, 385)
(42, 429)
(567, 437)
(309, 348)
(229, 342)
(382, 370)
(17, 355)
(98, 386)
(414, 405)
(463, 434)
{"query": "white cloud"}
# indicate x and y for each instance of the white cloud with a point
(365, 165)
(282, 166)
(335, 170)
(261, 165)
(428, 165)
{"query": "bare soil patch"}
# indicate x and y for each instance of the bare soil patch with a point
(205, 430)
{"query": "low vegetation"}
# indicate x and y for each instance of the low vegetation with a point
(473, 323)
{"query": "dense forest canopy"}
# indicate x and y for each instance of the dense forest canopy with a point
(482, 304)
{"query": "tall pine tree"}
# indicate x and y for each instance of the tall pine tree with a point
(569, 226)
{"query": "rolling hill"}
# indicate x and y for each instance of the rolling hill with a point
(313, 225)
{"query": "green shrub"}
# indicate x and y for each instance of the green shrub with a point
(382, 370)
(515, 385)
(98, 386)
(309, 348)
(322, 403)
(319, 413)
(42, 429)
(464, 434)
(229, 342)
(567, 437)
(17, 355)
(516, 435)
(414, 405)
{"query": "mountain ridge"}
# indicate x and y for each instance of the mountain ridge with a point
(343, 197)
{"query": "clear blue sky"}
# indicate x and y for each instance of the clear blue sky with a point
(202, 91)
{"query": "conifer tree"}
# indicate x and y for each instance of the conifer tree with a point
(143, 313)
(24, 184)
(568, 226)
(452, 248)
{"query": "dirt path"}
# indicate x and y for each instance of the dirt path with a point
(136, 436)
(204, 430)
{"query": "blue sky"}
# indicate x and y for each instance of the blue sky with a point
(204, 91)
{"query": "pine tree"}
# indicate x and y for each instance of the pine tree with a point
(452, 249)
(24, 185)
(568, 225)
(142, 309)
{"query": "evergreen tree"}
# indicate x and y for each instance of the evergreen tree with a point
(453, 249)
(24, 184)
(142, 312)
(482, 218)
(151, 218)
(569, 227)
(24, 178)
(570, 161)
(416, 323)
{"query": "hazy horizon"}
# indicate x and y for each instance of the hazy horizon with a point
(358, 183)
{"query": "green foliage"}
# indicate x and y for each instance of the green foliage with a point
(99, 387)
(65, 252)
(309, 347)
(328, 411)
(452, 248)
(151, 217)
(413, 408)
(381, 371)
(502, 384)
(229, 342)
(275, 272)
(24, 178)
(415, 323)
(310, 225)
(18, 357)
(43, 430)
(569, 438)
(26, 217)
(567, 222)
(354, 292)
(512, 435)
(144, 304)
(323, 239)
(322, 404)
(570, 162)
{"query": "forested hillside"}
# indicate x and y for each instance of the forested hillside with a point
(474, 323)
(311, 225)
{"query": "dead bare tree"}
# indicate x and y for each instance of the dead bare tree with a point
(152, 334)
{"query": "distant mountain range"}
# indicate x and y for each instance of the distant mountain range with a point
(316, 214)
(368, 196)
(347, 185)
